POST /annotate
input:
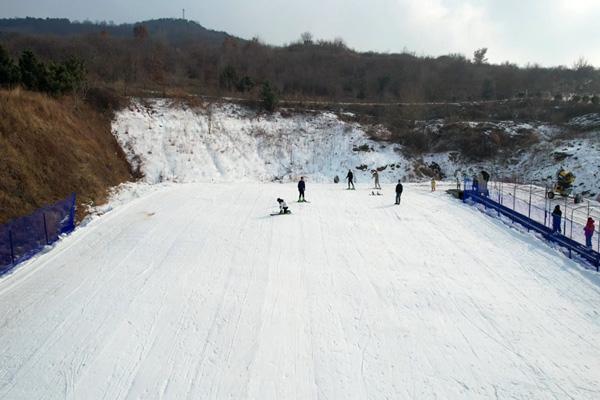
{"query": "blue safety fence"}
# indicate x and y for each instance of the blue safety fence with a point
(22, 238)
(535, 215)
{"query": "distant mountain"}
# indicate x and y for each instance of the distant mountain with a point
(174, 31)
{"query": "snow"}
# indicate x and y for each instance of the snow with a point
(587, 121)
(194, 291)
(170, 142)
(220, 143)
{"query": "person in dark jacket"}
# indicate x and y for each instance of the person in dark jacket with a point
(350, 178)
(556, 217)
(589, 231)
(399, 189)
(301, 188)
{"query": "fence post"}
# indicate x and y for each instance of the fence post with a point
(515, 197)
(565, 220)
(545, 204)
(12, 248)
(530, 190)
(45, 228)
(72, 214)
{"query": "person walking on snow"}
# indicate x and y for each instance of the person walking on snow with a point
(376, 177)
(556, 217)
(350, 178)
(399, 189)
(433, 184)
(301, 188)
(589, 231)
(283, 208)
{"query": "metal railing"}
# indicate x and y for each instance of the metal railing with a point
(530, 206)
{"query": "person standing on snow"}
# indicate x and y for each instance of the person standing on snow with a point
(556, 217)
(589, 231)
(399, 189)
(433, 184)
(301, 188)
(350, 178)
(376, 177)
(283, 208)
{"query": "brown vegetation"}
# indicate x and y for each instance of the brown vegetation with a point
(156, 55)
(52, 147)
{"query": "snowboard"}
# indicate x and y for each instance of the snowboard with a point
(303, 201)
(287, 213)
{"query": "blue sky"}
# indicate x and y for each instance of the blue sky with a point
(548, 32)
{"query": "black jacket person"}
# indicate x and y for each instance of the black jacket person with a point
(399, 189)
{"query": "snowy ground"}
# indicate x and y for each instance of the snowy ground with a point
(194, 291)
(220, 143)
(226, 142)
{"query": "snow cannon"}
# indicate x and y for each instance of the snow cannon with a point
(564, 184)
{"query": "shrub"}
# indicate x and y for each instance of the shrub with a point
(268, 98)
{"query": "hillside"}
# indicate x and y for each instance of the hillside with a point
(173, 31)
(51, 148)
(175, 141)
(160, 55)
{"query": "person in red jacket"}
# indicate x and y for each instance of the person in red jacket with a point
(589, 231)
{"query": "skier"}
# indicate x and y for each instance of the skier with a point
(283, 208)
(556, 217)
(433, 184)
(350, 178)
(399, 189)
(376, 177)
(301, 188)
(589, 231)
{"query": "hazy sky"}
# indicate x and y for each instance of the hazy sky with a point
(548, 32)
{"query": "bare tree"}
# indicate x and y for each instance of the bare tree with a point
(479, 56)
(306, 38)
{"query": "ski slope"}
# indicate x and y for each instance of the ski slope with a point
(194, 292)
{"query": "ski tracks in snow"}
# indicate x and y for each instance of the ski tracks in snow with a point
(191, 292)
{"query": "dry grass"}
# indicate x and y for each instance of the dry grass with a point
(50, 148)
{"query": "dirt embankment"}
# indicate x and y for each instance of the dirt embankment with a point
(52, 147)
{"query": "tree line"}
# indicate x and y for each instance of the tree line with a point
(306, 69)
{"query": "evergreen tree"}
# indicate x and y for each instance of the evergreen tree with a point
(33, 72)
(9, 72)
(268, 97)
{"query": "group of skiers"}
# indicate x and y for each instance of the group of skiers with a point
(484, 177)
(284, 209)
(588, 230)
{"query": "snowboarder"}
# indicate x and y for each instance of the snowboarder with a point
(399, 189)
(350, 178)
(283, 208)
(589, 231)
(556, 217)
(433, 184)
(376, 177)
(301, 188)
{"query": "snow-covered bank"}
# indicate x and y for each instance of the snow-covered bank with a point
(194, 291)
(171, 141)
(228, 142)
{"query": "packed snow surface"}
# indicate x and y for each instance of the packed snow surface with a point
(194, 291)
